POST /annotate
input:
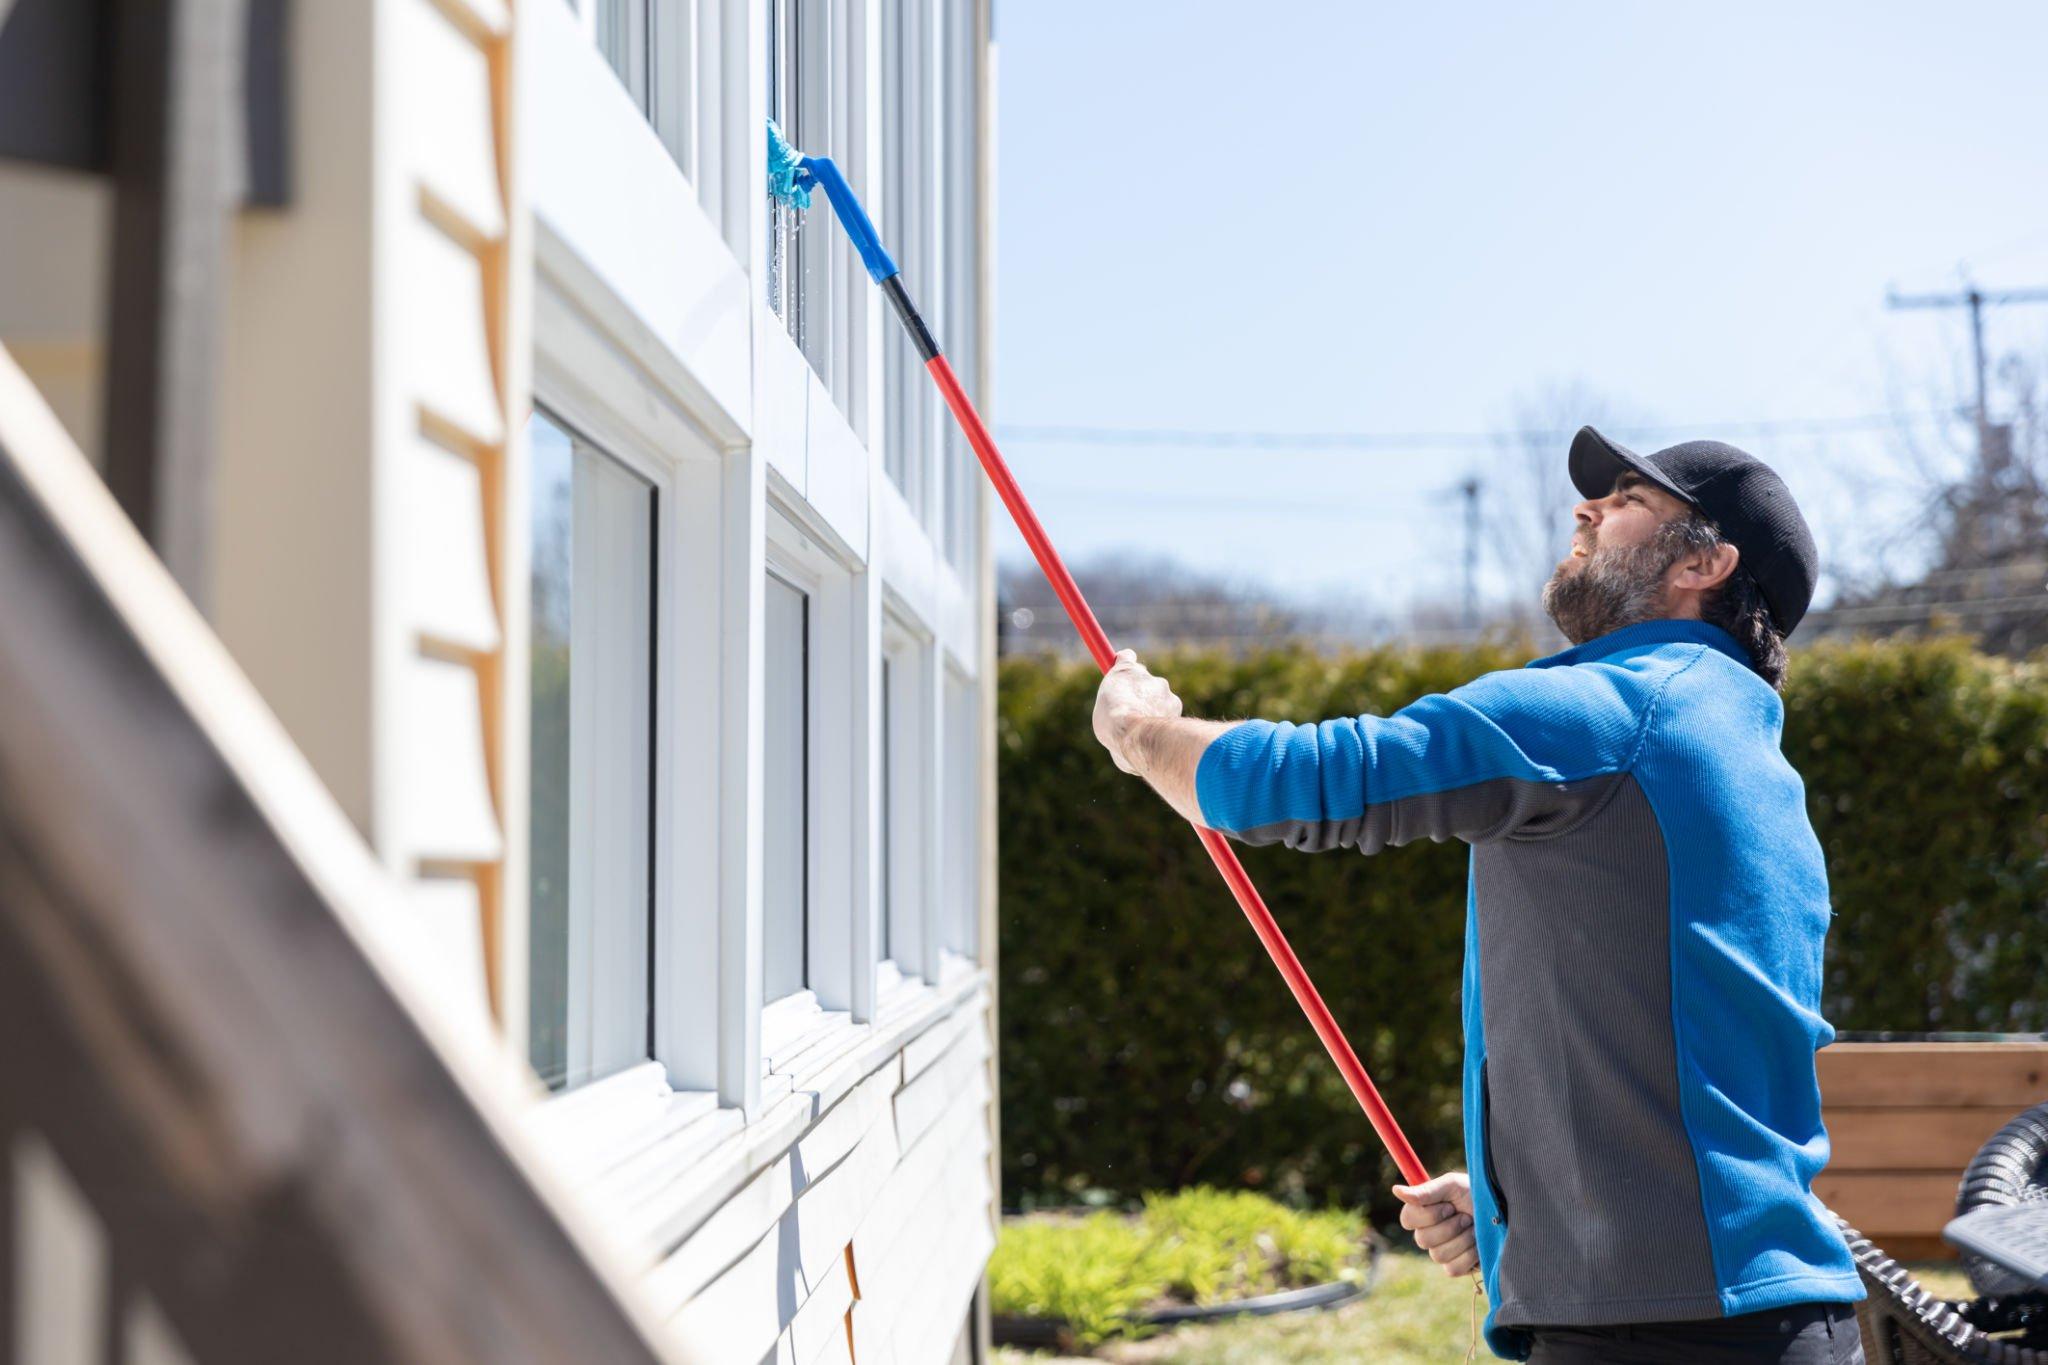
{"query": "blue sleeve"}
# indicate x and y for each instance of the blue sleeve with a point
(1512, 753)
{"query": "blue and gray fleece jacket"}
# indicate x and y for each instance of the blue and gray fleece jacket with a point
(1642, 980)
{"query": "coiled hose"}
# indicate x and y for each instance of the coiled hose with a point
(2012, 1168)
(1906, 1324)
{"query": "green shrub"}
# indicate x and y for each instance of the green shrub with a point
(1148, 1043)
(1217, 1244)
(1093, 1273)
(1098, 1271)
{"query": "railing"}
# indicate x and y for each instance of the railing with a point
(282, 1152)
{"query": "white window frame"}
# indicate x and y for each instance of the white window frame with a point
(960, 765)
(822, 108)
(958, 217)
(910, 426)
(581, 420)
(801, 553)
(930, 215)
(801, 805)
(789, 36)
(638, 42)
(906, 816)
(651, 295)
(592, 386)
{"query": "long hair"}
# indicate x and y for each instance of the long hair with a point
(1738, 605)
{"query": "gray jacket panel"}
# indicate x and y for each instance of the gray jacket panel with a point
(1586, 1147)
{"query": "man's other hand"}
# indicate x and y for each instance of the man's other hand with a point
(1439, 1213)
(1129, 694)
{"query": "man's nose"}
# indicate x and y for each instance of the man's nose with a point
(1587, 513)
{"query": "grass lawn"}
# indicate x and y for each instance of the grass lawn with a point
(1413, 1315)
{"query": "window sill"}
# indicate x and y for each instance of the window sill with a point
(653, 1163)
(954, 966)
(591, 1131)
(891, 980)
(793, 1023)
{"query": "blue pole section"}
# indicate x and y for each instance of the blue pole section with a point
(852, 216)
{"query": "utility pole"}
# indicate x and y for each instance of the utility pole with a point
(1994, 443)
(1976, 300)
(1470, 488)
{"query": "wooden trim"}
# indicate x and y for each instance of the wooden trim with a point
(1933, 1139)
(274, 1139)
(495, 239)
(504, 726)
(1904, 1119)
(1926, 1075)
(1878, 1203)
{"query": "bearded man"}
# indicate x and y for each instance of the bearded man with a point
(1644, 924)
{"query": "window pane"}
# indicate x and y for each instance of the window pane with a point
(888, 839)
(800, 93)
(904, 784)
(785, 836)
(904, 811)
(961, 861)
(958, 130)
(785, 248)
(592, 683)
(622, 37)
(902, 395)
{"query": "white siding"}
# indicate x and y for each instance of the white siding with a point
(862, 1201)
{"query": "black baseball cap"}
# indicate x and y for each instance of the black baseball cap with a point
(1741, 494)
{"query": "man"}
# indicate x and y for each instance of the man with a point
(1643, 929)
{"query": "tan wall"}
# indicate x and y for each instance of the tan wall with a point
(291, 596)
(360, 565)
(53, 270)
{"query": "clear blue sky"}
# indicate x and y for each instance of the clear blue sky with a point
(1369, 217)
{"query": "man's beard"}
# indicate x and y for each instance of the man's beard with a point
(1612, 589)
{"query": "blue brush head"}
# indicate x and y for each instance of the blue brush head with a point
(788, 179)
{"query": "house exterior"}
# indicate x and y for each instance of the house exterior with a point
(596, 540)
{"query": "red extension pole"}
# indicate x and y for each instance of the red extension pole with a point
(1220, 852)
(788, 171)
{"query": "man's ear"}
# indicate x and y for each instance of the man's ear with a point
(1706, 569)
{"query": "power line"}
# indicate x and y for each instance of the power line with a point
(1900, 613)
(1027, 433)
(1310, 502)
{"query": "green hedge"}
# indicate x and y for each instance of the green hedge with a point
(1147, 1042)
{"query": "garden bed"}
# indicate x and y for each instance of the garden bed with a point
(1074, 1281)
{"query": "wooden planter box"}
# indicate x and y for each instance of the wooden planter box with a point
(1905, 1118)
